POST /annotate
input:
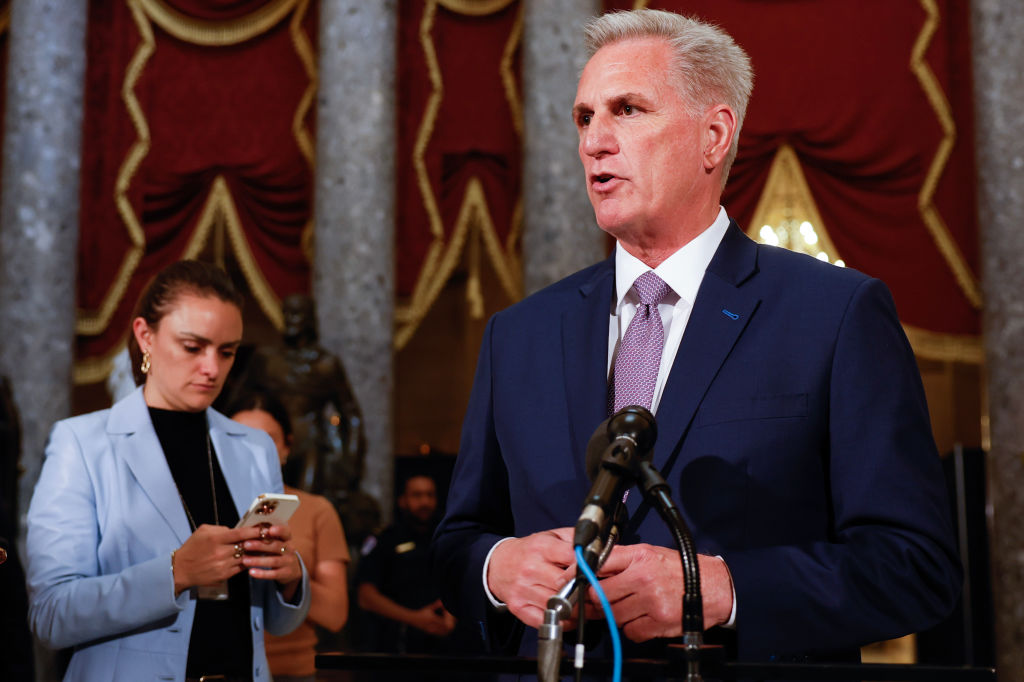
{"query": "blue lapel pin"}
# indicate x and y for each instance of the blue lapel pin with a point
(731, 315)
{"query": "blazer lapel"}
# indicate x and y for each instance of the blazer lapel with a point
(134, 440)
(236, 462)
(720, 314)
(585, 359)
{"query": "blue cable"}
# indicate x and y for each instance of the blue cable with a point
(616, 644)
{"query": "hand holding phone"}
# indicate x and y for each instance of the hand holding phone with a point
(269, 508)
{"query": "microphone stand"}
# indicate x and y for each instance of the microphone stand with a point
(656, 491)
(559, 608)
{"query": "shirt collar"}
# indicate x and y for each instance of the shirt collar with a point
(683, 271)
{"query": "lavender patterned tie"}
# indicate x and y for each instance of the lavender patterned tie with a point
(636, 366)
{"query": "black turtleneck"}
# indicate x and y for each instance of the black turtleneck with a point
(221, 641)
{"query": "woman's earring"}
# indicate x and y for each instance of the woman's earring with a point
(145, 362)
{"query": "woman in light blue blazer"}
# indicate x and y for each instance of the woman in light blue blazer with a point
(132, 556)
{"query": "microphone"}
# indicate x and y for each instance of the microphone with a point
(628, 439)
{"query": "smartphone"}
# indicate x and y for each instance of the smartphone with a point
(271, 508)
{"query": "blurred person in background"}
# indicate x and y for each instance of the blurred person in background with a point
(318, 536)
(393, 581)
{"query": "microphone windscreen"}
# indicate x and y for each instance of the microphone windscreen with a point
(596, 447)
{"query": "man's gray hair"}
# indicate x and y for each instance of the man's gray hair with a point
(709, 65)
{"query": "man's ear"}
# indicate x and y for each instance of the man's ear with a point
(719, 130)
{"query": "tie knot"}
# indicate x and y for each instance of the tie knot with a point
(650, 288)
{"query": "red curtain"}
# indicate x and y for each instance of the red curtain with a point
(166, 115)
(874, 96)
(459, 124)
(885, 141)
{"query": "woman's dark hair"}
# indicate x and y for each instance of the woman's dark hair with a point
(157, 299)
(266, 402)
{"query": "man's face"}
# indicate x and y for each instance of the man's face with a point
(419, 499)
(640, 148)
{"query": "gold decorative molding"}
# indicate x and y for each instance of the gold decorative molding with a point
(216, 33)
(929, 213)
(474, 214)
(303, 136)
(96, 369)
(92, 323)
(474, 221)
(945, 347)
(786, 190)
(475, 8)
(508, 77)
(220, 205)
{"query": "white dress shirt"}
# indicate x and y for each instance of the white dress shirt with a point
(683, 271)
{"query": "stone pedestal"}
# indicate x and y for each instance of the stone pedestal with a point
(999, 106)
(560, 234)
(39, 217)
(354, 212)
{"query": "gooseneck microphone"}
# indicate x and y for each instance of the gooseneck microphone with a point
(630, 435)
(614, 454)
(618, 455)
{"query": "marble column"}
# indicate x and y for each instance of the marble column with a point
(999, 119)
(354, 264)
(39, 216)
(560, 234)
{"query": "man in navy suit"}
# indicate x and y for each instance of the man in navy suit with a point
(792, 424)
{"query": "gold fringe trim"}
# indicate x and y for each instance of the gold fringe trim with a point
(515, 265)
(786, 185)
(474, 288)
(219, 204)
(508, 78)
(426, 130)
(304, 49)
(474, 220)
(475, 8)
(91, 323)
(216, 33)
(96, 369)
(474, 213)
(929, 213)
(945, 347)
(303, 136)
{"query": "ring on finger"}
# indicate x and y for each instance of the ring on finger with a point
(238, 552)
(284, 548)
(263, 533)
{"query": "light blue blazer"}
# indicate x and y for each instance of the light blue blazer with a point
(103, 521)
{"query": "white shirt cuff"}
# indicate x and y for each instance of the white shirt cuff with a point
(487, 590)
(731, 623)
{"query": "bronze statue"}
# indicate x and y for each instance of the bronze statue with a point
(329, 442)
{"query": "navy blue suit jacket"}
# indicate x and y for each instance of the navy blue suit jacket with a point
(793, 431)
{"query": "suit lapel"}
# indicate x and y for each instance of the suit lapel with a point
(134, 440)
(236, 462)
(720, 314)
(585, 359)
